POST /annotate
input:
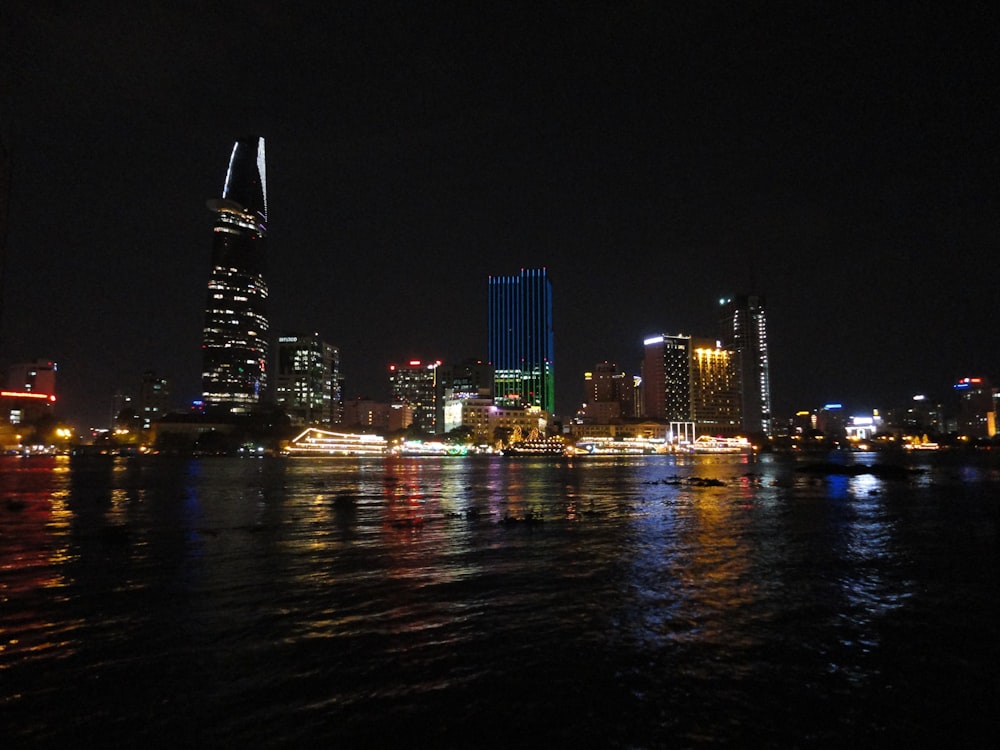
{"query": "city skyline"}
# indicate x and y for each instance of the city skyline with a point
(653, 161)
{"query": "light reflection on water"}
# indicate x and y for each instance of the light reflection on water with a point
(591, 601)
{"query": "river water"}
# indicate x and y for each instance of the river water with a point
(492, 602)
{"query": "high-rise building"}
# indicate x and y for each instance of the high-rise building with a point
(666, 378)
(154, 398)
(743, 324)
(715, 390)
(520, 339)
(414, 384)
(307, 383)
(607, 394)
(36, 376)
(235, 337)
(30, 393)
(692, 381)
(977, 411)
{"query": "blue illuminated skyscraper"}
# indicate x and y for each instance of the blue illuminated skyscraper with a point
(234, 341)
(520, 338)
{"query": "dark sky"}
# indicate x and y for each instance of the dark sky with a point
(652, 156)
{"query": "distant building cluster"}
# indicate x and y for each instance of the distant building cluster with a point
(686, 387)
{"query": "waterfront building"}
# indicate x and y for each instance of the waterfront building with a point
(471, 378)
(666, 377)
(921, 416)
(36, 376)
(520, 336)
(608, 394)
(977, 416)
(307, 379)
(715, 390)
(235, 336)
(29, 396)
(491, 422)
(743, 330)
(692, 384)
(366, 414)
(154, 399)
(414, 384)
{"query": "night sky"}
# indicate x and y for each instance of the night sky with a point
(652, 156)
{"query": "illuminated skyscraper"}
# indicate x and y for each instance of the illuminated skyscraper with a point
(666, 378)
(415, 385)
(695, 381)
(715, 390)
(234, 342)
(743, 325)
(520, 339)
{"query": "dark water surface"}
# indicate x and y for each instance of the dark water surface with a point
(490, 602)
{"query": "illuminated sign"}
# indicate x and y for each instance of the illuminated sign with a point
(968, 382)
(28, 394)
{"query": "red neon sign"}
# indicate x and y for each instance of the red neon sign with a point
(27, 394)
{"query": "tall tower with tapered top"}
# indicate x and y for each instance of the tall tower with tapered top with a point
(235, 337)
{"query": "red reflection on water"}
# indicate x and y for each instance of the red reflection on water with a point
(30, 552)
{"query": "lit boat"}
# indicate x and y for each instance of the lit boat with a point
(317, 442)
(708, 444)
(552, 446)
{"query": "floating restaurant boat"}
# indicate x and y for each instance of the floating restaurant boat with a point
(708, 444)
(599, 446)
(551, 446)
(316, 442)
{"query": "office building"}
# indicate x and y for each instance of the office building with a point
(307, 382)
(414, 384)
(521, 340)
(37, 376)
(235, 337)
(30, 392)
(154, 399)
(977, 413)
(743, 330)
(471, 378)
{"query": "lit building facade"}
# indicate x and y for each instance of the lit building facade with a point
(489, 421)
(367, 415)
(415, 385)
(743, 324)
(30, 393)
(608, 394)
(235, 336)
(666, 378)
(521, 339)
(471, 378)
(693, 383)
(307, 382)
(977, 416)
(715, 390)
(154, 399)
